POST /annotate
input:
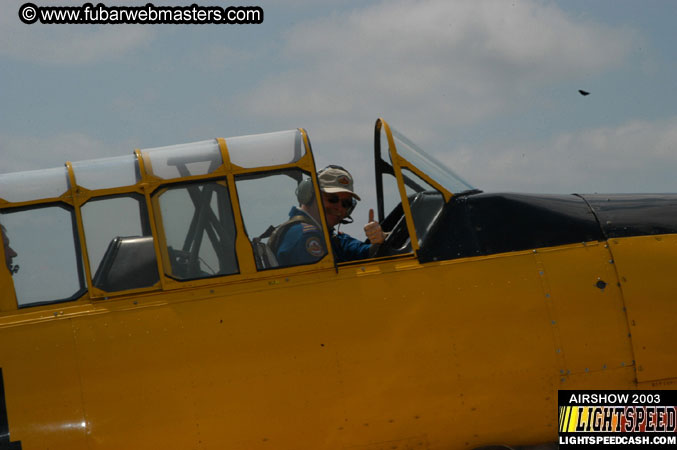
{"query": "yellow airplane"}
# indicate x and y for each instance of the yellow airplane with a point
(138, 309)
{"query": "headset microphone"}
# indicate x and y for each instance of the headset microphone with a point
(347, 220)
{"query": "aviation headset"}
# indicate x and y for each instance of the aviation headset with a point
(305, 192)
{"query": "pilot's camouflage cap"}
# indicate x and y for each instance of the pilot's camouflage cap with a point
(333, 180)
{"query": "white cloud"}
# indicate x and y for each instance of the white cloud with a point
(66, 44)
(445, 61)
(638, 156)
(429, 66)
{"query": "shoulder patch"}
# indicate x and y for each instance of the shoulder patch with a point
(314, 247)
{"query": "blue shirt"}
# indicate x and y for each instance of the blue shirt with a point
(303, 243)
(347, 248)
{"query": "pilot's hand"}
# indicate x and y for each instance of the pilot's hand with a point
(373, 230)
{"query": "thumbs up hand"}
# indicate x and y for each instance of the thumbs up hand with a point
(373, 230)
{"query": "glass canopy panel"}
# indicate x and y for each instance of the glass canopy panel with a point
(267, 200)
(47, 253)
(184, 160)
(425, 202)
(391, 193)
(199, 229)
(270, 149)
(119, 243)
(429, 165)
(34, 184)
(414, 184)
(106, 172)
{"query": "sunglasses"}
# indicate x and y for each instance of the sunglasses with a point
(346, 202)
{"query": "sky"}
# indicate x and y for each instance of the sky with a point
(488, 87)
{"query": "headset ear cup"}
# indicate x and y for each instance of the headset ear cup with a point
(305, 192)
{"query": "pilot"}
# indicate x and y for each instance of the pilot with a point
(10, 254)
(300, 240)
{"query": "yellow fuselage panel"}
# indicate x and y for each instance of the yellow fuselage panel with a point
(451, 354)
(586, 307)
(646, 268)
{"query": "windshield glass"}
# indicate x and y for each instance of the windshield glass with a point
(429, 165)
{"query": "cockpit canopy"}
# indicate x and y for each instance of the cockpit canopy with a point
(185, 215)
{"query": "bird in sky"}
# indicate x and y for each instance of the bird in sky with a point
(583, 93)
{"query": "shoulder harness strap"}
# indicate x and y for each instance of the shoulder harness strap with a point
(280, 230)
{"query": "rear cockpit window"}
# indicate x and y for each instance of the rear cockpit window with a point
(198, 229)
(119, 243)
(45, 254)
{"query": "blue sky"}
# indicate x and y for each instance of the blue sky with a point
(488, 87)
